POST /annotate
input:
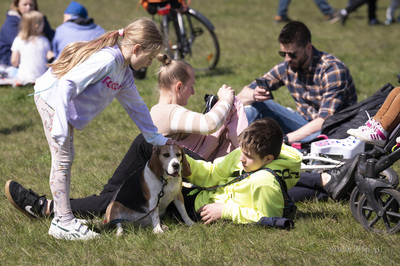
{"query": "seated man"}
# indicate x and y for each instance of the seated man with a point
(319, 83)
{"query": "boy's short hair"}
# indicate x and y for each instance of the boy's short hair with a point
(264, 136)
(295, 32)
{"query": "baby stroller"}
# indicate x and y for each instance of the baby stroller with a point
(375, 201)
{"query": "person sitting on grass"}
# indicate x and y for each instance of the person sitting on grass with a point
(262, 161)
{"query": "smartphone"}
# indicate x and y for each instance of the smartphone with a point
(262, 82)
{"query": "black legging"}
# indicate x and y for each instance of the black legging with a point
(371, 7)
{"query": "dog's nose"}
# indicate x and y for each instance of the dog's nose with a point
(176, 165)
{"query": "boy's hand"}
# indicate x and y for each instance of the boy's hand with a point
(211, 212)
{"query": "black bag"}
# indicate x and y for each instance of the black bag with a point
(210, 100)
(336, 126)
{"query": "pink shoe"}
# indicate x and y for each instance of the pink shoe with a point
(372, 133)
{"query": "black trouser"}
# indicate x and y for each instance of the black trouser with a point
(308, 187)
(136, 157)
(371, 7)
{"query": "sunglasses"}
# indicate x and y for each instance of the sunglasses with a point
(291, 55)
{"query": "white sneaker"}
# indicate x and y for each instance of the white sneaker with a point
(73, 231)
(373, 134)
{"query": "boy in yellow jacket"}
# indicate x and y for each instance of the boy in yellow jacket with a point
(257, 195)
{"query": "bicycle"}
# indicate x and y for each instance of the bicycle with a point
(188, 34)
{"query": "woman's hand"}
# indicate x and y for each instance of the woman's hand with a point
(226, 93)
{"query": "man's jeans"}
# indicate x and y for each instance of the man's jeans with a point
(323, 5)
(288, 119)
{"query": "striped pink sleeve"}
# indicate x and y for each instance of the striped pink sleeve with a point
(184, 120)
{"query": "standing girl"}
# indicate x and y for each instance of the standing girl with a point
(77, 87)
(30, 50)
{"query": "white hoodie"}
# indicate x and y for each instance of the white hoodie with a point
(87, 89)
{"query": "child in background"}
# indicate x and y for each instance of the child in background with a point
(77, 87)
(9, 29)
(377, 129)
(30, 50)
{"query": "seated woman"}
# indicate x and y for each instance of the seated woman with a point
(211, 135)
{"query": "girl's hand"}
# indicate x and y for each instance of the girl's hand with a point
(173, 142)
(226, 93)
(211, 212)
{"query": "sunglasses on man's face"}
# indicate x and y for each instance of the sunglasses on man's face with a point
(291, 55)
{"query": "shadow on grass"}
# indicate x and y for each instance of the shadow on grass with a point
(316, 215)
(219, 71)
(15, 128)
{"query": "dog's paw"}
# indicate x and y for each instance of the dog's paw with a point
(120, 231)
(189, 223)
(157, 230)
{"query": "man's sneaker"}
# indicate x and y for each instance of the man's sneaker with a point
(73, 231)
(26, 201)
(339, 15)
(279, 19)
(374, 22)
(372, 133)
(389, 21)
(342, 179)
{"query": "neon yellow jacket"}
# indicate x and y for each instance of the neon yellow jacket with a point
(250, 199)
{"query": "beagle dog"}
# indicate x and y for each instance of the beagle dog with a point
(143, 198)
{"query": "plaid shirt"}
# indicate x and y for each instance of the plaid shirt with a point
(327, 87)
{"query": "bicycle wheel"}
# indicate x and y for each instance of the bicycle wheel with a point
(388, 174)
(389, 221)
(200, 47)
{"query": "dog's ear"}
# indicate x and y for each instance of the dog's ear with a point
(185, 165)
(155, 164)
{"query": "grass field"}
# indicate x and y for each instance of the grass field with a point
(325, 232)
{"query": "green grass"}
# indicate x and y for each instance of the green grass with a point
(325, 233)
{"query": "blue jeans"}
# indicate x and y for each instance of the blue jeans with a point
(325, 8)
(288, 119)
(283, 7)
(323, 5)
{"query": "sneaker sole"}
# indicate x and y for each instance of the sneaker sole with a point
(10, 199)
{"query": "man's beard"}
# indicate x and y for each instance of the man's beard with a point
(301, 63)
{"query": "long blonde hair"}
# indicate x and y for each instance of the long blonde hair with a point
(29, 26)
(143, 31)
(172, 71)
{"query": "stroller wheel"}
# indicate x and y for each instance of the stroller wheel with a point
(353, 202)
(389, 221)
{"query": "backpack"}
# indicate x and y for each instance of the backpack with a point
(153, 5)
(336, 126)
